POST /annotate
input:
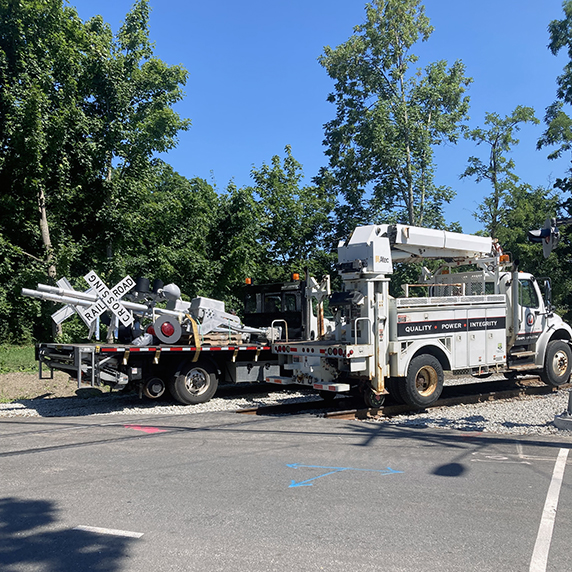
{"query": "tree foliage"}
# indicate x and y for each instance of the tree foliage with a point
(295, 220)
(82, 112)
(498, 137)
(559, 125)
(389, 117)
(558, 135)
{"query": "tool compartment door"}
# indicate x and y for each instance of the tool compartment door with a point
(477, 337)
(487, 336)
(460, 341)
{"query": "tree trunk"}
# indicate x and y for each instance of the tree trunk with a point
(409, 171)
(45, 232)
(108, 199)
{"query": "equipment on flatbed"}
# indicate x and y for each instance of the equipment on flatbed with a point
(194, 319)
(486, 320)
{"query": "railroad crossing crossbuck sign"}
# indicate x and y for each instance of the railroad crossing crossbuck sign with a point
(69, 309)
(89, 305)
(109, 299)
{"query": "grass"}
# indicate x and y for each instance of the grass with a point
(17, 358)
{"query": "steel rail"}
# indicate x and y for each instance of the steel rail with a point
(452, 395)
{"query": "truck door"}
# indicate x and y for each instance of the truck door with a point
(531, 317)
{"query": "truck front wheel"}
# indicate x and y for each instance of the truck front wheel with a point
(424, 382)
(194, 384)
(557, 363)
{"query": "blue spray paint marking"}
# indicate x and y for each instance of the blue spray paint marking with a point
(332, 470)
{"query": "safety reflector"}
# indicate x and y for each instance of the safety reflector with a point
(338, 387)
(279, 380)
(168, 329)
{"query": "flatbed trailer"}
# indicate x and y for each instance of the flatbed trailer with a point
(191, 374)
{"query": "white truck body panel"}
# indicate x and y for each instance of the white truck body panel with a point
(470, 330)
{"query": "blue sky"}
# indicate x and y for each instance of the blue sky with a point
(255, 84)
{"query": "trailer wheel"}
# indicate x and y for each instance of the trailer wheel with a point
(557, 363)
(424, 382)
(195, 384)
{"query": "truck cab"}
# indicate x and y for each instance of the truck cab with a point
(280, 303)
(534, 327)
(295, 306)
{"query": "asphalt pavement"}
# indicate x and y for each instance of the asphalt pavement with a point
(223, 491)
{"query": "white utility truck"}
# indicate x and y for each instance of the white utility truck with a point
(487, 320)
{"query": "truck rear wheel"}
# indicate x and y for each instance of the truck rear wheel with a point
(424, 382)
(196, 383)
(393, 385)
(557, 363)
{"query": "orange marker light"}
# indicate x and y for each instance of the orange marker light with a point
(295, 276)
(248, 281)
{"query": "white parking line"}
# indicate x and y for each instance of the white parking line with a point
(542, 546)
(109, 531)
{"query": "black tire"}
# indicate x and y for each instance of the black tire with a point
(327, 396)
(424, 382)
(196, 383)
(393, 385)
(557, 363)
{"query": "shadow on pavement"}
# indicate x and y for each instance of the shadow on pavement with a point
(28, 540)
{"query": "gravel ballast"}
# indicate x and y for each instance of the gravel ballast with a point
(529, 415)
(125, 404)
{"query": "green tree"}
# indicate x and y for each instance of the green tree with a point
(498, 136)
(558, 135)
(389, 117)
(130, 100)
(82, 114)
(238, 247)
(172, 233)
(41, 135)
(559, 124)
(39, 108)
(527, 208)
(295, 220)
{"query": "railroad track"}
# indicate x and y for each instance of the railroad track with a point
(348, 408)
